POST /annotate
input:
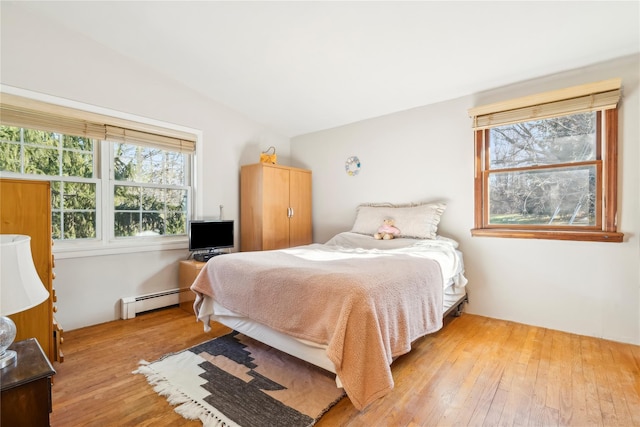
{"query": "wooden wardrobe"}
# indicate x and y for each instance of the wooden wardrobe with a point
(275, 207)
(25, 208)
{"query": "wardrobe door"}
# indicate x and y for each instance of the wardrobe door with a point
(275, 205)
(300, 225)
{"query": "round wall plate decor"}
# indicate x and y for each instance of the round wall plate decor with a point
(352, 165)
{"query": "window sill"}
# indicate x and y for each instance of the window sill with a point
(584, 236)
(90, 249)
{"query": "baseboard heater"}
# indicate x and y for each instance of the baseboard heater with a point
(130, 306)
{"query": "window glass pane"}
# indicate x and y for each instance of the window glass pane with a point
(152, 224)
(126, 224)
(557, 140)
(9, 133)
(124, 162)
(151, 166)
(175, 170)
(176, 223)
(177, 200)
(10, 157)
(77, 156)
(144, 165)
(126, 198)
(77, 164)
(40, 161)
(147, 165)
(10, 160)
(41, 137)
(56, 195)
(79, 225)
(153, 199)
(56, 228)
(79, 195)
(74, 210)
(77, 143)
(551, 197)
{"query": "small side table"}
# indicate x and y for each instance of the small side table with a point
(25, 387)
(187, 273)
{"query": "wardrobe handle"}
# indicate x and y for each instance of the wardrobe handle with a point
(291, 216)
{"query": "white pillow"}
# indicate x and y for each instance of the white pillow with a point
(414, 220)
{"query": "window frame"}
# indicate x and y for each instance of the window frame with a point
(104, 243)
(605, 229)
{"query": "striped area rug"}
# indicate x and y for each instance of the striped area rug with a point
(234, 380)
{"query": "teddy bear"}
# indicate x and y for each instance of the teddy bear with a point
(387, 230)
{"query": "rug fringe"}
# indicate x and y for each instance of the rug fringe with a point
(182, 403)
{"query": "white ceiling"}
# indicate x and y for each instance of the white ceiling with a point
(303, 66)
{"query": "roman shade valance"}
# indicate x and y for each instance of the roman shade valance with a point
(11, 115)
(577, 99)
(119, 134)
(28, 113)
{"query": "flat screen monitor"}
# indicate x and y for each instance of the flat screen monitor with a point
(205, 235)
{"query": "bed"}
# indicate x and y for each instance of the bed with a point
(350, 305)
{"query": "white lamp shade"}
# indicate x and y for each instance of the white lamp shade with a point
(20, 285)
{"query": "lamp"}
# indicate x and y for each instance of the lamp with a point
(20, 288)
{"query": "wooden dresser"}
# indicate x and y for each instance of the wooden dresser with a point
(25, 208)
(275, 207)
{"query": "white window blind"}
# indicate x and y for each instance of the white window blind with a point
(578, 99)
(20, 117)
(132, 136)
(28, 113)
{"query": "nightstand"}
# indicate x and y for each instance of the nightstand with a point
(188, 272)
(26, 387)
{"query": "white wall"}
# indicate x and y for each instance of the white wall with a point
(426, 153)
(43, 58)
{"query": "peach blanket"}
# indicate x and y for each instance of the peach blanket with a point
(367, 308)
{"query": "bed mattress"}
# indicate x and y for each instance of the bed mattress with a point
(444, 251)
(303, 349)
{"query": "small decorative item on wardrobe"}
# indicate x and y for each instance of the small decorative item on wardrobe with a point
(268, 157)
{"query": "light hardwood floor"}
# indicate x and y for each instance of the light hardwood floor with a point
(475, 371)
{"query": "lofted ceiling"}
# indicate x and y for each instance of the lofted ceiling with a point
(304, 66)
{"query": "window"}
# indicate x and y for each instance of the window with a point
(150, 195)
(69, 163)
(113, 182)
(546, 165)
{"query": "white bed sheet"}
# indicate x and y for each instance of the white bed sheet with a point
(441, 249)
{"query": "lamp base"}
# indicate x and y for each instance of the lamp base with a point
(7, 335)
(8, 358)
